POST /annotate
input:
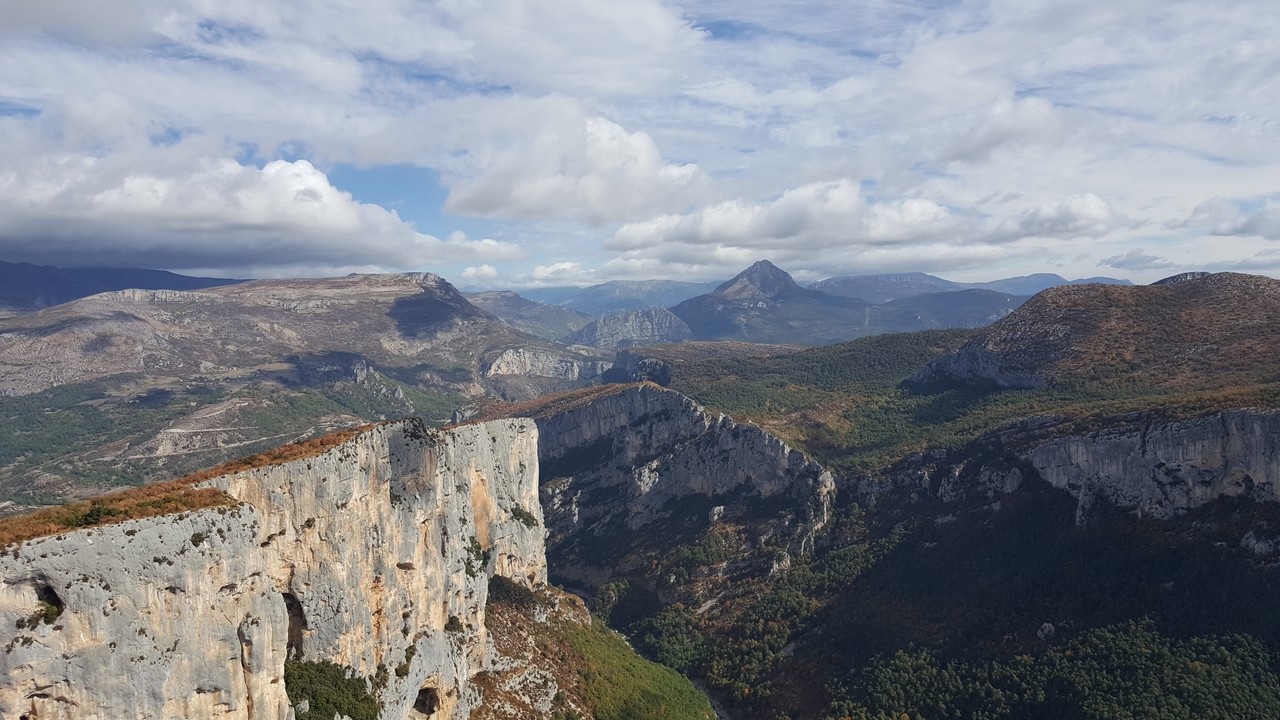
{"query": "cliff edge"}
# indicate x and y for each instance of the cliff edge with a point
(374, 556)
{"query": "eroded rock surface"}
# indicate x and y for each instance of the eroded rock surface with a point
(645, 465)
(637, 327)
(384, 543)
(1156, 468)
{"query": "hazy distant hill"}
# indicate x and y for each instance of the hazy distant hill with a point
(536, 318)
(619, 295)
(877, 289)
(764, 304)
(24, 286)
(956, 309)
(1169, 334)
(1032, 284)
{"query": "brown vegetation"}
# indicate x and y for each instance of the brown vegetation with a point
(165, 498)
(549, 405)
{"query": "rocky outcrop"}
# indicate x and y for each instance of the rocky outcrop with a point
(628, 329)
(630, 366)
(1166, 469)
(1153, 468)
(374, 555)
(538, 363)
(643, 465)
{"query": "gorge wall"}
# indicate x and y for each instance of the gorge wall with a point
(644, 467)
(1156, 468)
(1162, 469)
(374, 555)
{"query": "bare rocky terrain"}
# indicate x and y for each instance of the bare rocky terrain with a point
(136, 385)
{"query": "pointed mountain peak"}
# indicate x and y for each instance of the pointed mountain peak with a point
(761, 279)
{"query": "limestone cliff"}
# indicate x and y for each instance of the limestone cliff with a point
(1140, 463)
(374, 555)
(537, 363)
(1165, 469)
(640, 467)
(636, 327)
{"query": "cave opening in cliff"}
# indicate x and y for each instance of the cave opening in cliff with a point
(297, 625)
(428, 701)
(50, 604)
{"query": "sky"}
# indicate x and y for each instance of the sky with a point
(518, 143)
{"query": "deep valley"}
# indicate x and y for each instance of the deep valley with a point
(1071, 512)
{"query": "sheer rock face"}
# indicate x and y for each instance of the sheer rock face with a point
(628, 329)
(1157, 469)
(1167, 469)
(537, 363)
(620, 472)
(352, 556)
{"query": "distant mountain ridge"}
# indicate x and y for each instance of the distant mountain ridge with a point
(764, 304)
(877, 289)
(1115, 333)
(619, 295)
(535, 318)
(24, 286)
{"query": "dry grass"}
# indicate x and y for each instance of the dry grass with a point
(164, 498)
(549, 405)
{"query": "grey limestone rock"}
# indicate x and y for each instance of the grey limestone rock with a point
(626, 464)
(538, 363)
(351, 556)
(1165, 469)
(637, 327)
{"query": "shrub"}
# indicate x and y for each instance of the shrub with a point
(329, 689)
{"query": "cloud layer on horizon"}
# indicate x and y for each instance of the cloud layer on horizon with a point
(645, 139)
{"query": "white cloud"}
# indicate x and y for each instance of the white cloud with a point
(715, 131)
(560, 273)
(1226, 217)
(592, 169)
(818, 216)
(1079, 216)
(1136, 259)
(207, 213)
(481, 272)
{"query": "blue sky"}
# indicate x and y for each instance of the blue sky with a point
(511, 143)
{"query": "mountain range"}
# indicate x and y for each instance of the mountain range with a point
(877, 289)
(25, 287)
(145, 383)
(1069, 512)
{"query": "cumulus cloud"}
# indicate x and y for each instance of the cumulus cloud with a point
(1228, 218)
(594, 170)
(208, 213)
(1078, 216)
(560, 273)
(480, 272)
(1136, 259)
(818, 216)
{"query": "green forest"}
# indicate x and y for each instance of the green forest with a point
(1007, 611)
